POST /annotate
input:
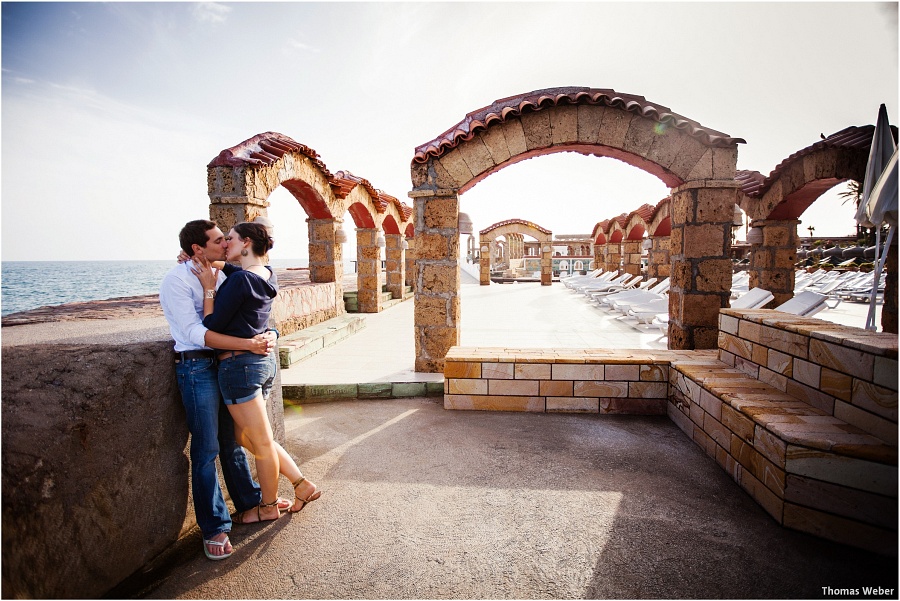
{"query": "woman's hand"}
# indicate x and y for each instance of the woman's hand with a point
(262, 344)
(205, 272)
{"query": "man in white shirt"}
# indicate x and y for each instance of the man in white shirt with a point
(210, 424)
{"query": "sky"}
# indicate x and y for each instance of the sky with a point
(111, 111)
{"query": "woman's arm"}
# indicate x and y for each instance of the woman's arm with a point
(261, 344)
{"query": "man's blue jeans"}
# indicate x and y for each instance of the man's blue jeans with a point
(212, 434)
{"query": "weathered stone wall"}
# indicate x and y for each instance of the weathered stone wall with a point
(95, 476)
(298, 308)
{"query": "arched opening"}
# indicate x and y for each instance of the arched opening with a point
(680, 152)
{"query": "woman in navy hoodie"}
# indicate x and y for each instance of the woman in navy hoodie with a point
(241, 307)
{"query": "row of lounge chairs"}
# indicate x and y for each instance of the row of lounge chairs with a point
(647, 301)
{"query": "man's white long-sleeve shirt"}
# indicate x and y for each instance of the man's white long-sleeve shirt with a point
(181, 296)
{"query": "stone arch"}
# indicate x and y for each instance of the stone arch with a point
(775, 203)
(659, 229)
(697, 161)
(805, 175)
(516, 228)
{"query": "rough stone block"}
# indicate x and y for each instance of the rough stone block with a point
(781, 363)
(835, 384)
(648, 390)
(633, 406)
(495, 143)
(556, 388)
(654, 373)
(441, 212)
(494, 403)
(806, 372)
(536, 126)
(886, 372)
(871, 397)
(456, 167)
(476, 155)
(564, 123)
(707, 240)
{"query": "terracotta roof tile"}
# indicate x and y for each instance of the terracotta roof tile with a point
(515, 221)
(645, 211)
(501, 110)
(854, 137)
(265, 149)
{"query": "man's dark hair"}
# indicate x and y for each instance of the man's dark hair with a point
(194, 232)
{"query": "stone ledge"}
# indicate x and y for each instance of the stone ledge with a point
(307, 342)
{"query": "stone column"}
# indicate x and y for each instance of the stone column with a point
(326, 257)
(410, 276)
(889, 308)
(659, 264)
(547, 264)
(368, 275)
(700, 244)
(394, 265)
(437, 308)
(229, 211)
(484, 263)
(631, 251)
(772, 262)
(600, 256)
(613, 256)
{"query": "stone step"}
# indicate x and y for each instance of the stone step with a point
(309, 341)
(299, 394)
(351, 301)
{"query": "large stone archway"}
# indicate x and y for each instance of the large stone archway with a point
(696, 162)
(518, 227)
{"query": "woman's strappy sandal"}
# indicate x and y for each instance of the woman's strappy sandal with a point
(239, 518)
(316, 493)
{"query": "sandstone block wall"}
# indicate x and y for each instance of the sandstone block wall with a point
(95, 455)
(557, 380)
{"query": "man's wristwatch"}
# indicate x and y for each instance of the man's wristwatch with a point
(210, 294)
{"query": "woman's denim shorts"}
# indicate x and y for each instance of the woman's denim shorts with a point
(244, 377)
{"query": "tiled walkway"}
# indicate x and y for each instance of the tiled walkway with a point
(507, 315)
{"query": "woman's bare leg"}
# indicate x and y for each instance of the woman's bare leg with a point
(253, 432)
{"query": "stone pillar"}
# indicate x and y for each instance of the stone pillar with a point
(547, 264)
(395, 266)
(700, 244)
(613, 256)
(889, 308)
(631, 251)
(437, 308)
(600, 256)
(227, 212)
(326, 257)
(484, 263)
(368, 275)
(772, 262)
(410, 276)
(659, 264)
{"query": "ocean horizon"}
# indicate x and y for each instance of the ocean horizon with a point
(26, 285)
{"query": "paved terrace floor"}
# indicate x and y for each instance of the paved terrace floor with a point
(420, 502)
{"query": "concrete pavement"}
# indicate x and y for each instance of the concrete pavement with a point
(420, 502)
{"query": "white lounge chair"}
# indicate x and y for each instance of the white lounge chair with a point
(622, 305)
(645, 313)
(628, 287)
(611, 301)
(805, 304)
(605, 285)
(753, 299)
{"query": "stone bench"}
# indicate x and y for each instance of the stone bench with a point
(809, 470)
(557, 380)
(801, 413)
(309, 341)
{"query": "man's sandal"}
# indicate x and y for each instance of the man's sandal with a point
(312, 497)
(240, 518)
(216, 543)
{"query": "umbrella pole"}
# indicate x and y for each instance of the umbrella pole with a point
(879, 265)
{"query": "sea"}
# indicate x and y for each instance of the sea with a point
(26, 285)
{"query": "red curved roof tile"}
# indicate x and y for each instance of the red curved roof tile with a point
(516, 221)
(658, 208)
(645, 212)
(501, 110)
(265, 149)
(854, 137)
